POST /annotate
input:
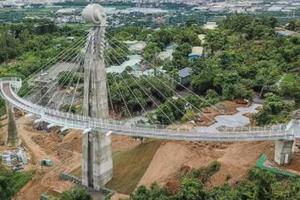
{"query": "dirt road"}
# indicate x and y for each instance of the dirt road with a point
(46, 178)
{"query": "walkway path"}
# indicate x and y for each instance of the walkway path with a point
(72, 121)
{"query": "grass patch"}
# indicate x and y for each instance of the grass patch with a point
(11, 182)
(76, 172)
(19, 179)
(130, 166)
(52, 195)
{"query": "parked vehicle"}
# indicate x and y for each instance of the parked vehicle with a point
(18, 167)
(46, 162)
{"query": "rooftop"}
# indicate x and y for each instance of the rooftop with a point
(284, 32)
(210, 25)
(197, 50)
(202, 38)
(185, 72)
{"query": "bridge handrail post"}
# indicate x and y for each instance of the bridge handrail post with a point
(67, 119)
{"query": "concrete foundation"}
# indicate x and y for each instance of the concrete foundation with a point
(97, 155)
(283, 151)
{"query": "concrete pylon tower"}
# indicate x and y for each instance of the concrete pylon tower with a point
(97, 155)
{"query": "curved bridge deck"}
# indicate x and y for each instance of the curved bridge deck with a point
(72, 121)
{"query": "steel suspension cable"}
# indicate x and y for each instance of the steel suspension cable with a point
(166, 98)
(153, 66)
(121, 96)
(73, 74)
(201, 99)
(75, 91)
(151, 98)
(65, 57)
(110, 98)
(61, 56)
(119, 91)
(63, 80)
(69, 67)
(120, 75)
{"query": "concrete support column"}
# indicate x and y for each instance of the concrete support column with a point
(283, 151)
(102, 161)
(12, 133)
(86, 161)
(97, 165)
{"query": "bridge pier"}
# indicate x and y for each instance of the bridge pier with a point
(97, 163)
(283, 151)
(12, 132)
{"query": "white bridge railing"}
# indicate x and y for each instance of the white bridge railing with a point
(73, 121)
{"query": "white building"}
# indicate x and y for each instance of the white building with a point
(210, 25)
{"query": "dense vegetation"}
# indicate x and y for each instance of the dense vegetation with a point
(12, 182)
(294, 25)
(274, 110)
(193, 186)
(31, 44)
(244, 58)
(75, 194)
(135, 92)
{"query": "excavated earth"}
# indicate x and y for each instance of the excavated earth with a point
(169, 161)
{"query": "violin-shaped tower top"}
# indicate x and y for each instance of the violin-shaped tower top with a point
(94, 13)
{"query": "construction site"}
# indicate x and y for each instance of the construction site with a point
(159, 161)
(73, 123)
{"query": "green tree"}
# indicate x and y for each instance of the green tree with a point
(75, 194)
(6, 190)
(215, 41)
(151, 51)
(289, 86)
(274, 110)
(191, 189)
(291, 25)
(223, 193)
(154, 193)
(180, 55)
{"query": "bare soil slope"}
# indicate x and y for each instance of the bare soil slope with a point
(50, 146)
(235, 158)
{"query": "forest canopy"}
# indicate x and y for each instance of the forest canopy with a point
(243, 59)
